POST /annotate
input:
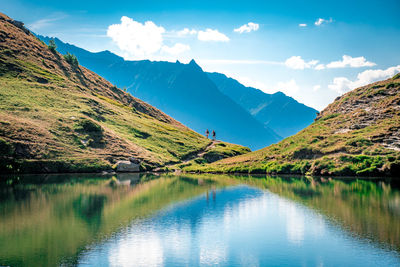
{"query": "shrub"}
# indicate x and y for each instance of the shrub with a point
(377, 86)
(71, 59)
(90, 132)
(88, 126)
(392, 85)
(6, 149)
(52, 45)
(359, 142)
(330, 116)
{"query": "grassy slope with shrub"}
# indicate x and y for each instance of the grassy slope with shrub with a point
(358, 134)
(57, 116)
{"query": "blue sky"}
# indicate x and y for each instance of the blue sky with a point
(311, 50)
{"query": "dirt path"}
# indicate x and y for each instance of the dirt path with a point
(201, 152)
(195, 154)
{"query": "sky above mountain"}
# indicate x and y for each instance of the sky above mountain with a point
(313, 51)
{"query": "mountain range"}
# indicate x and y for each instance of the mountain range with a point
(276, 111)
(201, 100)
(58, 116)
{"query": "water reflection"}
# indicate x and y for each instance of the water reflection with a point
(89, 208)
(193, 220)
(366, 208)
(245, 227)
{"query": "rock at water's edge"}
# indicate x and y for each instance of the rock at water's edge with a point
(127, 166)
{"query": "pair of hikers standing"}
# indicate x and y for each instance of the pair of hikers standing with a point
(213, 134)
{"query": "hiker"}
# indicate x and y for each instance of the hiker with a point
(213, 135)
(207, 133)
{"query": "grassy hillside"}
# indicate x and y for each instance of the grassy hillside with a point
(57, 116)
(358, 134)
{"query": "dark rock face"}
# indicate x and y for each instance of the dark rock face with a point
(306, 153)
(134, 160)
(23, 150)
(212, 157)
(18, 24)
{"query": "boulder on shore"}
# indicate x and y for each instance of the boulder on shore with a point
(127, 166)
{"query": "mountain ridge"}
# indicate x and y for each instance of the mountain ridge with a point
(144, 79)
(277, 111)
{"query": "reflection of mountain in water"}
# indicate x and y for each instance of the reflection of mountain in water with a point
(85, 209)
(78, 212)
(367, 208)
(89, 208)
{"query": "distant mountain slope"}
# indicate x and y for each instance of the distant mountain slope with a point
(358, 134)
(277, 111)
(183, 91)
(99, 62)
(57, 116)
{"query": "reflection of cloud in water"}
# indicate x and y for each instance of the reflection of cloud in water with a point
(244, 227)
(247, 259)
(140, 249)
(177, 241)
(241, 220)
(318, 229)
(212, 254)
(244, 212)
(294, 218)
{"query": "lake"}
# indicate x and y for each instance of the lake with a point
(198, 220)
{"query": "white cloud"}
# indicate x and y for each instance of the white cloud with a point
(140, 41)
(212, 35)
(353, 62)
(297, 63)
(316, 87)
(289, 87)
(321, 21)
(343, 84)
(176, 49)
(43, 23)
(186, 31)
(247, 27)
(302, 25)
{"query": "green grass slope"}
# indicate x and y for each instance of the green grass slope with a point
(59, 117)
(358, 134)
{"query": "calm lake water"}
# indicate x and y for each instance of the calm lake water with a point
(198, 220)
